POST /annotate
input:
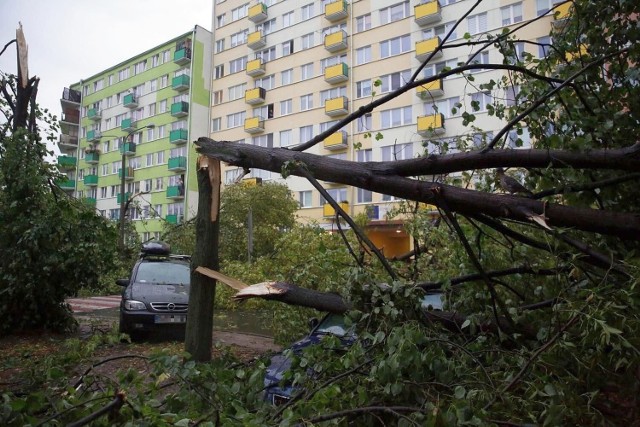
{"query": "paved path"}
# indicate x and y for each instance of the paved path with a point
(85, 305)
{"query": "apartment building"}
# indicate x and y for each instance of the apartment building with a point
(284, 71)
(131, 124)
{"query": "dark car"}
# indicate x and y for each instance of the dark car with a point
(156, 296)
(332, 324)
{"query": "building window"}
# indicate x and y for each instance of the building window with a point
(397, 152)
(237, 92)
(287, 48)
(122, 74)
(337, 194)
(395, 46)
(543, 6)
(287, 77)
(307, 41)
(239, 38)
(306, 133)
(287, 19)
(286, 138)
(140, 67)
(480, 100)
(363, 55)
(220, 20)
(395, 13)
(334, 92)
(449, 107)
(239, 12)
(391, 82)
(511, 14)
(477, 23)
(304, 199)
(217, 97)
(235, 120)
(306, 71)
(238, 65)
(267, 55)
(364, 123)
(267, 83)
(479, 58)
(265, 141)
(219, 45)
(363, 23)
(286, 107)
(306, 102)
(219, 72)
(544, 45)
(216, 124)
(363, 88)
(440, 31)
(159, 161)
(396, 117)
(307, 11)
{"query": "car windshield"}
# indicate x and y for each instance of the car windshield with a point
(332, 324)
(163, 273)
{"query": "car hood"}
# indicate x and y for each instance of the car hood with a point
(146, 292)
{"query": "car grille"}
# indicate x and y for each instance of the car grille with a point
(169, 307)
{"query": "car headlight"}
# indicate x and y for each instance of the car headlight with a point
(134, 305)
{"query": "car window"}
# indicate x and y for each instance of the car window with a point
(332, 324)
(162, 273)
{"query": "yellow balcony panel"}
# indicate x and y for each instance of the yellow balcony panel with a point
(431, 124)
(329, 211)
(336, 42)
(336, 11)
(255, 96)
(561, 14)
(430, 90)
(254, 125)
(427, 13)
(336, 73)
(336, 106)
(424, 48)
(256, 40)
(251, 182)
(255, 68)
(258, 13)
(336, 141)
(572, 56)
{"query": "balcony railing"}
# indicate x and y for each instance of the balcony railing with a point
(91, 201)
(336, 141)
(336, 11)
(180, 83)
(431, 124)
(68, 141)
(256, 40)
(329, 211)
(336, 106)
(177, 164)
(182, 56)
(128, 173)
(92, 157)
(130, 100)
(94, 114)
(424, 48)
(258, 13)
(180, 109)
(127, 195)
(67, 162)
(561, 14)
(336, 42)
(175, 192)
(71, 97)
(66, 183)
(255, 96)
(336, 73)
(254, 125)
(173, 218)
(255, 68)
(427, 12)
(128, 148)
(178, 136)
(430, 90)
(93, 135)
(91, 180)
(128, 125)
(70, 117)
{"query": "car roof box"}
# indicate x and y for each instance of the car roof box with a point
(156, 248)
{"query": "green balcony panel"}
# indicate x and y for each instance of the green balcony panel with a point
(94, 114)
(126, 197)
(171, 219)
(180, 82)
(182, 56)
(67, 162)
(92, 157)
(178, 136)
(93, 135)
(179, 109)
(91, 180)
(177, 163)
(128, 148)
(130, 100)
(175, 192)
(91, 201)
(66, 183)
(127, 125)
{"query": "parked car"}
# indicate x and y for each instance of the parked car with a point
(278, 393)
(156, 296)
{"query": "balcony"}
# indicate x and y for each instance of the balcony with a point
(173, 219)
(70, 98)
(251, 182)
(128, 173)
(258, 13)
(336, 42)
(254, 125)
(180, 83)
(255, 96)
(68, 141)
(128, 125)
(127, 195)
(431, 124)
(182, 56)
(256, 40)
(336, 73)
(178, 136)
(177, 164)
(336, 106)
(91, 201)
(94, 135)
(130, 100)
(175, 192)
(67, 162)
(180, 109)
(572, 56)
(91, 180)
(128, 148)
(255, 68)
(336, 11)
(424, 48)
(328, 211)
(561, 14)
(427, 13)
(94, 114)
(66, 183)
(92, 157)
(430, 90)
(336, 141)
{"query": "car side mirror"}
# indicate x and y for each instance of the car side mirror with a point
(313, 322)
(122, 282)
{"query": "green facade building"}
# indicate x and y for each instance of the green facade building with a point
(133, 123)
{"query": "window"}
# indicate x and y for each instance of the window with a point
(511, 95)
(265, 112)
(287, 48)
(363, 55)
(217, 97)
(263, 140)
(236, 119)
(333, 60)
(219, 45)
(480, 100)
(394, 13)
(337, 194)
(396, 117)
(239, 12)
(395, 46)
(98, 85)
(480, 139)
(435, 69)
(306, 71)
(237, 92)
(544, 44)
(153, 85)
(479, 58)
(363, 155)
(164, 81)
(286, 107)
(268, 82)
(511, 14)
(159, 161)
(219, 72)
(521, 140)
(391, 82)
(140, 67)
(448, 107)
(543, 6)
(306, 133)
(306, 102)
(166, 56)
(397, 152)
(239, 38)
(123, 74)
(238, 65)
(287, 77)
(477, 23)
(267, 27)
(515, 54)
(307, 12)
(364, 123)
(334, 92)
(326, 125)
(220, 19)
(440, 31)
(216, 124)
(304, 199)
(287, 19)
(110, 79)
(363, 23)
(155, 60)
(286, 138)
(149, 159)
(150, 134)
(267, 55)
(307, 41)
(363, 88)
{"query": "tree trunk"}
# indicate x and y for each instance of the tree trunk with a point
(198, 338)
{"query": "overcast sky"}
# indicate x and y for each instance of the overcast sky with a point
(74, 39)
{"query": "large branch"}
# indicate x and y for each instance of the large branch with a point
(467, 202)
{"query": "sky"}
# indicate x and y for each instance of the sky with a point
(70, 40)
